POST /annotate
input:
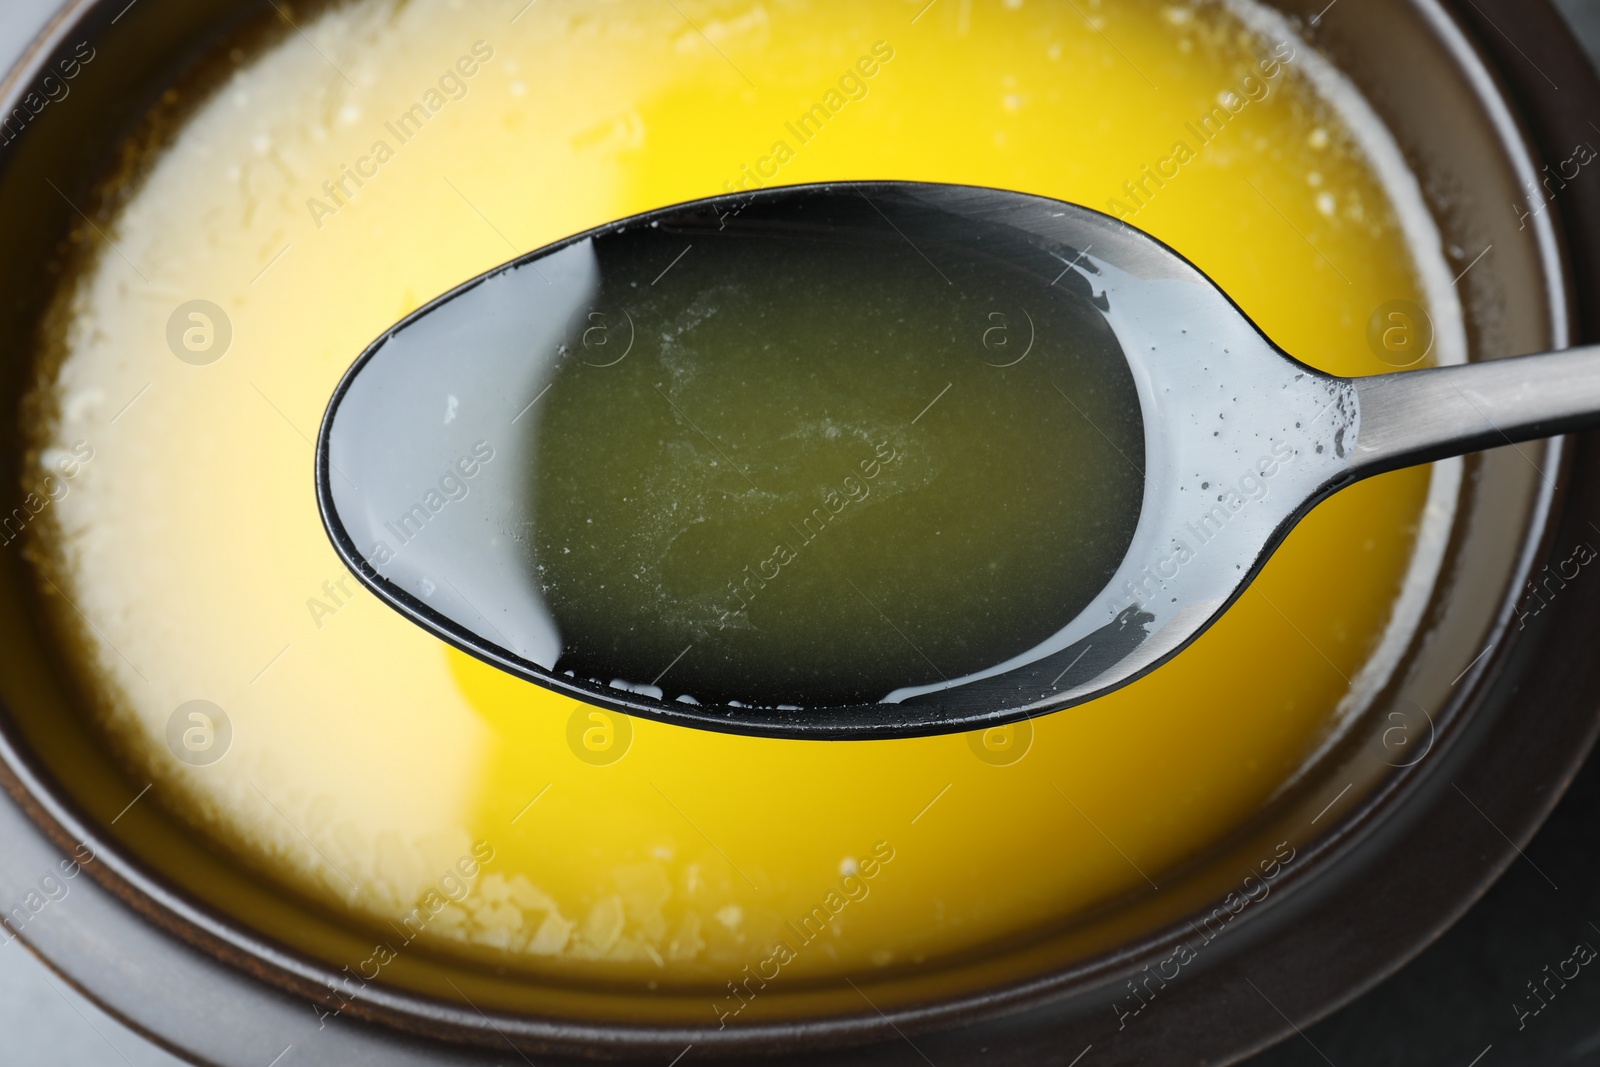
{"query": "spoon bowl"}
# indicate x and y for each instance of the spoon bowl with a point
(1123, 453)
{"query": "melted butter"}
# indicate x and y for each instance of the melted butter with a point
(367, 757)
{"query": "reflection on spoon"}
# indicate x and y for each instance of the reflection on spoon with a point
(765, 463)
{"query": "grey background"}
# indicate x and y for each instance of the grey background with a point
(1447, 1007)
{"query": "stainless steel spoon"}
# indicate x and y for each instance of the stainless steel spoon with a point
(422, 460)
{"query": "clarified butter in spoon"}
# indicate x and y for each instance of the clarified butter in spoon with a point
(367, 758)
(808, 482)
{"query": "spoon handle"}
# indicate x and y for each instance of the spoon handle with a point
(1417, 416)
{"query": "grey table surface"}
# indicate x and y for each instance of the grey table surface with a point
(1453, 1003)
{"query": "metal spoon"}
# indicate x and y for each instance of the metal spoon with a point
(422, 459)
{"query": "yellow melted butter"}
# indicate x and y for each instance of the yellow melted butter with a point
(368, 758)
